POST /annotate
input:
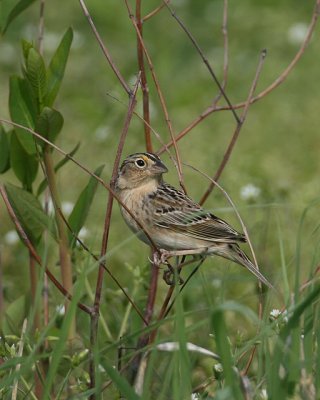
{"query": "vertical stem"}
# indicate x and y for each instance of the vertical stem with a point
(144, 84)
(145, 338)
(96, 307)
(41, 27)
(65, 259)
(1, 293)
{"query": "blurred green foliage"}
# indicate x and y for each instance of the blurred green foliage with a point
(277, 152)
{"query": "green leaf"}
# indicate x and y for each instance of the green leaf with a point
(14, 316)
(49, 124)
(24, 165)
(9, 13)
(120, 382)
(4, 151)
(81, 209)
(57, 67)
(59, 165)
(29, 213)
(36, 75)
(26, 46)
(23, 111)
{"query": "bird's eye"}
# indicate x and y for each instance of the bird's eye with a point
(140, 163)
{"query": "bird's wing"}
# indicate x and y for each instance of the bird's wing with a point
(176, 211)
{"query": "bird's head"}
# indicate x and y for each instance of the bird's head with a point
(140, 168)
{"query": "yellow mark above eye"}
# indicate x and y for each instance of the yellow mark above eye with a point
(145, 158)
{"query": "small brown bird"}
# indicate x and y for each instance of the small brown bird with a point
(174, 222)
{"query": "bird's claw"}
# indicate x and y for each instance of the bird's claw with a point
(170, 277)
(160, 257)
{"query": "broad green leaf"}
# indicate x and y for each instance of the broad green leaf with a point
(59, 165)
(81, 209)
(49, 124)
(23, 111)
(29, 213)
(4, 151)
(36, 75)
(24, 165)
(9, 11)
(57, 67)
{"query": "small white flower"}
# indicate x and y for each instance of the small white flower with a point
(250, 192)
(275, 313)
(297, 33)
(216, 283)
(61, 310)
(218, 368)
(102, 133)
(11, 237)
(264, 394)
(83, 233)
(67, 207)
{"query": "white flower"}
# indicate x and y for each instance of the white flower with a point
(275, 313)
(102, 133)
(297, 33)
(61, 310)
(11, 237)
(67, 207)
(83, 233)
(249, 192)
(264, 394)
(218, 368)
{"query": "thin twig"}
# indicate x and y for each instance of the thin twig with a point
(41, 27)
(96, 307)
(33, 252)
(224, 29)
(237, 130)
(160, 94)
(144, 84)
(154, 12)
(277, 82)
(204, 59)
(104, 48)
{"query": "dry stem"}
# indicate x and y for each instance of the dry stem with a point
(104, 48)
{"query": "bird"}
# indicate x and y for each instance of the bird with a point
(177, 225)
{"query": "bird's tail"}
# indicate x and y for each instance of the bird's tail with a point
(233, 252)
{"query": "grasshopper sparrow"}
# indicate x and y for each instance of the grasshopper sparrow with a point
(176, 224)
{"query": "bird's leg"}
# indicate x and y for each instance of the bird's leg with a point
(169, 275)
(165, 254)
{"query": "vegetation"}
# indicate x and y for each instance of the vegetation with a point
(84, 314)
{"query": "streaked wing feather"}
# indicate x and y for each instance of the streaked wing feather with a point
(189, 218)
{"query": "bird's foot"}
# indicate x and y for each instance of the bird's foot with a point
(160, 257)
(170, 276)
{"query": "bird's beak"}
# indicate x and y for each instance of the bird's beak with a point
(159, 168)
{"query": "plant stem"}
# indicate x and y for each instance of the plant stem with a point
(64, 253)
